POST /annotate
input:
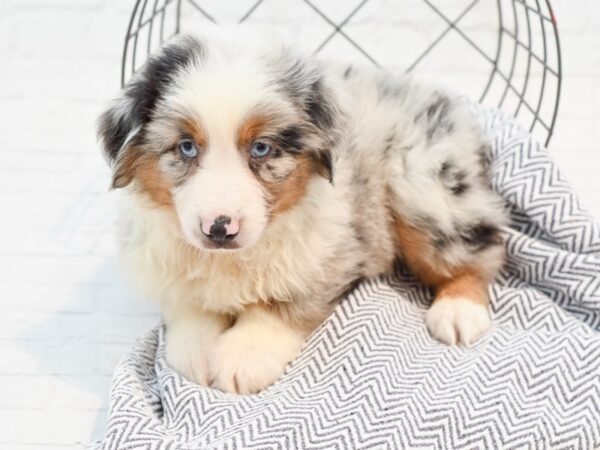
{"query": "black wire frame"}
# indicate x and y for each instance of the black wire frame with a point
(153, 20)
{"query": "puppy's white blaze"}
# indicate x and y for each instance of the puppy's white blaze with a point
(223, 185)
(219, 94)
(457, 320)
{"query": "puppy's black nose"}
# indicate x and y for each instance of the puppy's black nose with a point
(219, 230)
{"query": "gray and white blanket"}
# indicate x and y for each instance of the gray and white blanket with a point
(372, 377)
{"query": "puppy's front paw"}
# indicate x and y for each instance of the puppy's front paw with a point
(249, 357)
(457, 320)
(188, 342)
(190, 361)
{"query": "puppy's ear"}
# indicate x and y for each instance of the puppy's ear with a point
(121, 128)
(118, 131)
(321, 106)
(323, 159)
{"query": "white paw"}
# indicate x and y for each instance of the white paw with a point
(251, 356)
(188, 342)
(457, 320)
(190, 361)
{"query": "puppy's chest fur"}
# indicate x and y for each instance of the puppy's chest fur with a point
(308, 257)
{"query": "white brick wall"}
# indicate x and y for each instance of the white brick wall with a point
(67, 315)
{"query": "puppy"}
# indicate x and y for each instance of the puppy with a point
(260, 184)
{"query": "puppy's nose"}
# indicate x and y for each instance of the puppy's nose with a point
(220, 229)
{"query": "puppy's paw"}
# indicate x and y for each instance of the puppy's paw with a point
(250, 357)
(188, 342)
(457, 320)
(189, 361)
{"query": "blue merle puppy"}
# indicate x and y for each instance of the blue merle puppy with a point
(259, 184)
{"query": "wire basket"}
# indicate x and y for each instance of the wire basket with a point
(509, 49)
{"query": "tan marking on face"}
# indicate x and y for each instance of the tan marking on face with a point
(150, 180)
(285, 177)
(250, 130)
(195, 130)
(449, 281)
(125, 167)
(286, 193)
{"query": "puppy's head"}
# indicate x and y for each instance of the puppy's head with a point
(225, 134)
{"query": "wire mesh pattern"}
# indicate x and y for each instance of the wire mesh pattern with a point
(510, 49)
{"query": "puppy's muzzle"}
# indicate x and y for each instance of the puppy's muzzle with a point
(220, 230)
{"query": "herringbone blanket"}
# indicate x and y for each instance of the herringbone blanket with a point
(372, 377)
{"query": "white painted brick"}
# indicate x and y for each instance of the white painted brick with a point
(61, 426)
(69, 270)
(575, 134)
(21, 269)
(121, 6)
(17, 360)
(102, 38)
(40, 447)
(73, 182)
(579, 96)
(120, 299)
(122, 329)
(90, 269)
(564, 158)
(47, 125)
(39, 161)
(57, 358)
(597, 96)
(573, 18)
(580, 54)
(25, 392)
(87, 393)
(32, 243)
(109, 355)
(60, 214)
(595, 17)
(28, 326)
(60, 33)
(107, 244)
(8, 35)
(56, 5)
(77, 327)
(64, 78)
(49, 298)
(68, 312)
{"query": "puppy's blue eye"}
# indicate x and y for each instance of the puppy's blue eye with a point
(187, 148)
(260, 149)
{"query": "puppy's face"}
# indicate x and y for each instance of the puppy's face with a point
(225, 137)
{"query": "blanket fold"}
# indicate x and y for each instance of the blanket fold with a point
(372, 377)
